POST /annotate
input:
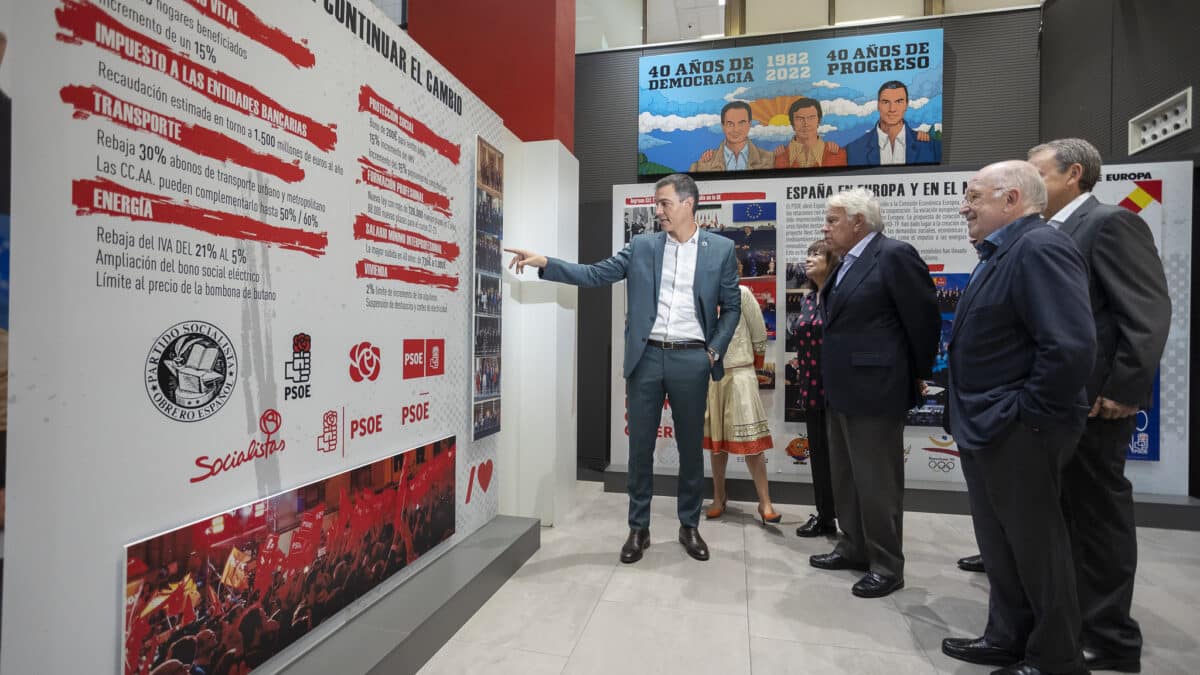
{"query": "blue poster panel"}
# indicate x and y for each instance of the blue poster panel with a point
(1144, 443)
(865, 100)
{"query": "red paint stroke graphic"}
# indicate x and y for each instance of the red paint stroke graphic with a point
(942, 451)
(370, 101)
(85, 22)
(705, 198)
(376, 175)
(370, 229)
(413, 275)
(96, 101)
(235, 15)
(104, 196)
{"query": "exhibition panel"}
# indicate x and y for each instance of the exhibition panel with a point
(247, 297)
(773, 221)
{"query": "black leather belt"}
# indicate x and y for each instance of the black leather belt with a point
(678, 344)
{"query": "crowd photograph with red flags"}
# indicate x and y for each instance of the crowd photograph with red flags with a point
(228, 592)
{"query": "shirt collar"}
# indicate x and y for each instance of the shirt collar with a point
(997, 238)
(861, 246)
(691, 240)
(1065, 212)
(884, 140)
(730, 154)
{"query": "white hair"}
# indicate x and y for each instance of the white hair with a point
(1024, 177)
(858, 201)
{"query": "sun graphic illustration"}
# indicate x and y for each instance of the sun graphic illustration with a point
(772, 111)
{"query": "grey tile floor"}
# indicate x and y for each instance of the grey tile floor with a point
(758, 608)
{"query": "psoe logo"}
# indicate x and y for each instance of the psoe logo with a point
(364, 362)
(424, 358)
(191, 371)
(298, 369)
(327, 441)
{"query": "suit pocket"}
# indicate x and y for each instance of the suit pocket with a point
(869, 359)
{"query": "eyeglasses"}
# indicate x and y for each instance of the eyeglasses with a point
(975, 197)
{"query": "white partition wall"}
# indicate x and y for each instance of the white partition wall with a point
(540, 345)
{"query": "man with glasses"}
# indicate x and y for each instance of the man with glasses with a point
(1020, 353)
(806, 149)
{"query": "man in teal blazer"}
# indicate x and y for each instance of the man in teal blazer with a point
(675, 337)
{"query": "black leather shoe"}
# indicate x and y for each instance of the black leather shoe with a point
(693, 543)
(1095, 659)
(979, 650)
(816, 527)
(971, 563)
(835, 561)
(638, 541)
(1023, 668)
(875, 585)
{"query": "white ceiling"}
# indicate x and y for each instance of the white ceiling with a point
(671, 20)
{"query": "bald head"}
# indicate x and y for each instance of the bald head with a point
(999, 194)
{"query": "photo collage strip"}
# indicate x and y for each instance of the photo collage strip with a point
(489, 230)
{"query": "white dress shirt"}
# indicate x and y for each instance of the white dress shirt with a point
(891, 153)
(676, 318)
(852, 255)
(1065, 212)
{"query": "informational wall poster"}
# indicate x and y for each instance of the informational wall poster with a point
(243, 233)
(244, 584)
(489, 266)
(865, 100)
(922, 209)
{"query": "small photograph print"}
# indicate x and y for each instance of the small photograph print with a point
(488, 255)
(487, 418)
(489, 213)
(487, 335)
(487, 294)
(640, 220)
(491, 168)
(487, 377)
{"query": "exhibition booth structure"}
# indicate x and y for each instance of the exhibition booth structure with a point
(265, 348)
(772, 127)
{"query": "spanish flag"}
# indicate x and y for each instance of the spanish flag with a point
(1146, 193)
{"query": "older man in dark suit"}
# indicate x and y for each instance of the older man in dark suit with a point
(677, 283)
(1132, 311)
(881, 333)
(1020, 352)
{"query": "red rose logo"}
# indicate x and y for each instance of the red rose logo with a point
(270, 422)
(364, 362)
(301, 343)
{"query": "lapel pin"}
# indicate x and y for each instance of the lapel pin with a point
(704, 243)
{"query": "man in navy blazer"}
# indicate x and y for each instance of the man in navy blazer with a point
(1020, 353)
(881, 333)
(892, 141)
(676, 281)
(1133, 316)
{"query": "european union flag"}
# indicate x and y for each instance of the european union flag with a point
(754, 212)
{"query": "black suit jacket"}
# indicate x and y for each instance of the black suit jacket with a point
(1023, 342)
(881, 331)
(1129, 298)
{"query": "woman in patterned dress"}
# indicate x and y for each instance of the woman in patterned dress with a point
(735, 421)
(809, 332)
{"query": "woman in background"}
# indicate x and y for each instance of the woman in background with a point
(809, 330)
(735, 421)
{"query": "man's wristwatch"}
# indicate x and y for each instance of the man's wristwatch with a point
(713, 353)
